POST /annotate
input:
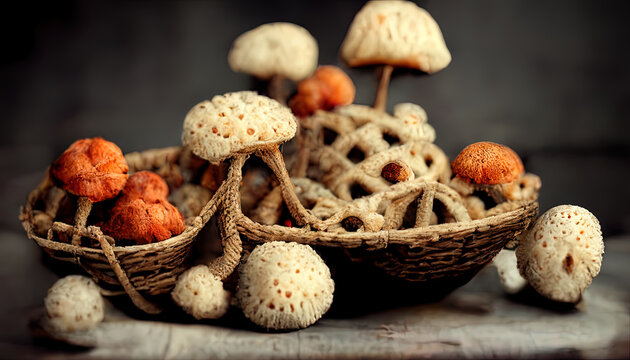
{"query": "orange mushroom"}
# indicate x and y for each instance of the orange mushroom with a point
(487, 163)
(327, 88)
(92, 169)
(143, 214)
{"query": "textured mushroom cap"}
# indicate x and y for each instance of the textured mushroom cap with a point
(510, 278)
(488, 163)
(94, 168)
(397, 33)
(562, 253)
(284, 286)
(201, 294)
(143, 214)
(275, 49)
(74, 303)
(328, 87)
(238, 122)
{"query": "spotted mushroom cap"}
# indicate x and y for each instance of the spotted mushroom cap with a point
(271, 49)
(238, 122)
(201, 294)
(74, 303)
(94, 168)
(562, 253)
(487, 163)
(284, 286)
(397, 33)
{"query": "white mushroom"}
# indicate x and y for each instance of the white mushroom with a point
(284, 286)
(201, 294)
(273, 52)
(394, 33)
(74, 303)
(511, 279)
(562, 253)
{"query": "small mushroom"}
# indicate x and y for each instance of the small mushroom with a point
(284, 286)
(397, 171)
(200, 293)
(327, 88)
(487, 166)
(275, 51)
(143, 214)
(511, 279)
(92, 169)
(190, 199)
(562, 253)
(74, 303)
(394, 33)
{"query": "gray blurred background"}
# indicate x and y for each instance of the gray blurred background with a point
(549, 79)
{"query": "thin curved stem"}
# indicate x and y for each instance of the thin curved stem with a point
(80, 218)
(380, 102)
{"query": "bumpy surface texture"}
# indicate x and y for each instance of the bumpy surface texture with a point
(201, 294)
(284, 286)
(398, 33)
(74, 303)
(142, 213)
(488, 163)
(275, 49)
(236, 122)
(562, 253)
(94, 168)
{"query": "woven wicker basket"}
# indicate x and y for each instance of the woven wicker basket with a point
(140, 271)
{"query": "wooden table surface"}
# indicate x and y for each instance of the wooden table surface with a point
(475, 321)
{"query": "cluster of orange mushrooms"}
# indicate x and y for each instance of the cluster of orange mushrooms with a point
(287, 285)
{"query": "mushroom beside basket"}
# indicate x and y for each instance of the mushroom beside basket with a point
(141, 271)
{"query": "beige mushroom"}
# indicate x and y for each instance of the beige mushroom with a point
(509, 276)
(200, 293)
(562, 253)
(284, 286)
(394, 33)
(273, 52)
(74, 303)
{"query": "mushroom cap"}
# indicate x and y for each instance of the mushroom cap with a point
(562, 253)
(238, 122)
(279, 48)
(74, 303)
(200, 293)
(144, 217)
(488, 163)
(397, 33)
(284, 286)
(94, 168)
(328, 87)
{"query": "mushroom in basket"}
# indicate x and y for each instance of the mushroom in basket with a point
(394, 33)
(92, 169)
(275, 52)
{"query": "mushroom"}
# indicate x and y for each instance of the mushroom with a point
(509, 276)
(284, 286)
(394, 33)
(143, 214)
(92, 169)
(327, 88)
(74, 303)
(487, 166)
(190, 199)
(200, 293)
(562, 253)
(275, 51)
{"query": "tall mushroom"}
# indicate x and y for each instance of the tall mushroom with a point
(394, 33)
(275, 52)
(92, 169)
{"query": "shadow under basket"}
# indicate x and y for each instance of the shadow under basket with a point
(140, 271)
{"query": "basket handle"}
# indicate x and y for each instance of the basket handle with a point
(137, 299)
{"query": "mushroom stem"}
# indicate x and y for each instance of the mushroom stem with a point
(224, 265)
(80, 218)
(380, 102)
(273, 158)
(277, 89)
